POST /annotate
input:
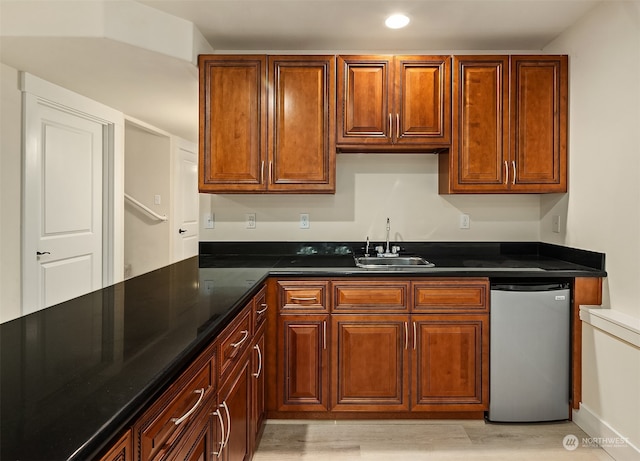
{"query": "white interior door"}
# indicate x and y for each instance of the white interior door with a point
(63, 204)
(185, 226)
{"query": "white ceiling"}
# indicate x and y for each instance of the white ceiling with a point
(162, 90)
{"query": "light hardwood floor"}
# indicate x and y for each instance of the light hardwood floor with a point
(421, 440)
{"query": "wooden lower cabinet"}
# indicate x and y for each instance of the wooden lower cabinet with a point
(450, 362)
(396, 346)
(370, 362)
(199, 443)
(258, 402)
(302, 369)
(234, 399)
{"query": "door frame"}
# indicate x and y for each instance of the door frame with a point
(37, 91)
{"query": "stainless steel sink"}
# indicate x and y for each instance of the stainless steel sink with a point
(373, 262)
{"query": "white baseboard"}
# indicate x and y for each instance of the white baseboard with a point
(599, 431)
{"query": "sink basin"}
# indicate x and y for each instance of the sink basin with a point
(372, 262)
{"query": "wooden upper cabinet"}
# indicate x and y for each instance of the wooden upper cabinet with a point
(510, 126)
(233, 122)
(267, 124)
(301, 124)
(539, 87)
(388, 103)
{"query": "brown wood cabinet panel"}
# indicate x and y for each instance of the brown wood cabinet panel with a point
(586, 291)
(468, 295)
(364, 99)
(510, 126)
(234, 340)
(197, 443)
(122, 450)
(423, 99)
(389, 103)
(539, 86)
(233, 123)
(301, 123)
(164, 423)
(302, 379)
(450, 363)
(370, 362)
(298, 296)
(367, 295)
(260, 308)
(480, 145)
(258, 385)
(235, 398)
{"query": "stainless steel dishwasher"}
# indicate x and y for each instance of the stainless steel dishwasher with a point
(529, 358)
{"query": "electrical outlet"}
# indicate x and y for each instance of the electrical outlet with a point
(209, 220)
(157, 199)
(251, 220)
(465, 221)
(555, 224)
(304, 220)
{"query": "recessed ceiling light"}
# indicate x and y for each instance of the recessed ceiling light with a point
(396, 21)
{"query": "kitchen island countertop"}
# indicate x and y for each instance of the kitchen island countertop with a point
(76, 374)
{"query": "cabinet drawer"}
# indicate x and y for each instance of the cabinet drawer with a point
(162, 425)
(260, 308)
(358, 296)
(234, 340)
(301, 296)
(471, 295)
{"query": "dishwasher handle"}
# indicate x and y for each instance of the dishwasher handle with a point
(552, 286)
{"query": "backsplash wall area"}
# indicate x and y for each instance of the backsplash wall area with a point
(370, 188)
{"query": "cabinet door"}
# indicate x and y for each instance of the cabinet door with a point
(197, 444)
(301, 142)
(302, 367)
(479, 156)
(258, 385)
(450, 362)
(232, 123)
(365, 85)
(539, 87)
(370, 362)
(235, 399)
(422, 100)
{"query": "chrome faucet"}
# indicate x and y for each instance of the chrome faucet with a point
(388, 251)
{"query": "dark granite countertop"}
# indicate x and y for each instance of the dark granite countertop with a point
(74, 375)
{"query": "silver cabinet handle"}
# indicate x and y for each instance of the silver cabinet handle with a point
(218, 413)
(262, 172)
(257, 373)
(262, 311)
(390, 128)
(181, 419)
(397, 125)
(271, 181)
(313, 298)
(226, 410)
(414, 336)
(506, 172)
(406, 335)
(513, 163)
(244, 338)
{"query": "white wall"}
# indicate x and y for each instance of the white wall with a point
(602, 210)
(370, 188)
(147, 243)
(10, 192)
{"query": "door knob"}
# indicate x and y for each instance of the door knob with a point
(182, 231)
